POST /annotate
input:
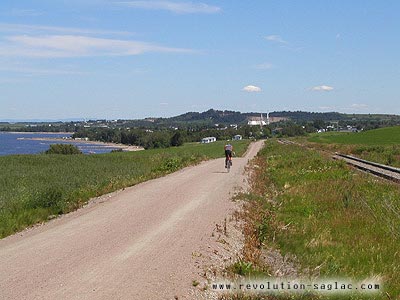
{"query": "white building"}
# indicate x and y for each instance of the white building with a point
(209, 139)
(258, 121)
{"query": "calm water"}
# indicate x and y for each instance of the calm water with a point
(11, 143)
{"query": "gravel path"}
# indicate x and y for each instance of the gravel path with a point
(138, 243)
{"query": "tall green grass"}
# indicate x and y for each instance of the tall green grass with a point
(337, 222)
(35, 188)
(379, 145)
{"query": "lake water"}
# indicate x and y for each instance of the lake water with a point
(22, 143)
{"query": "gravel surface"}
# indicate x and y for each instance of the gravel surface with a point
(139, 243)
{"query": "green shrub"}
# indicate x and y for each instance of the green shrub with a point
(63, 149)
(117, 150)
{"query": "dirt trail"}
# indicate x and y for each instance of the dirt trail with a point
(137, 244)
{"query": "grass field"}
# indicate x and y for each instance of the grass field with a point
(35, 188)
(382, 136)
(379, 145)
(336, 222)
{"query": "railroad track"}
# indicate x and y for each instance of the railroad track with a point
(384, 171)
(380, 170)
(287, 142)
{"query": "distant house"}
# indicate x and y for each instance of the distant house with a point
(261, 121)
(256, 121)
(349, 128)
(209, 139)
(330, 128)
(237, 137)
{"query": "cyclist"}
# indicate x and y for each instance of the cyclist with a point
(228, 154)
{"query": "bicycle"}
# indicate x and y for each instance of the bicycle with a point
(228, 163)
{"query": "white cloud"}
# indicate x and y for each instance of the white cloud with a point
(324, 88)
(276, 39)
(355, 107)
(40, 29)
(175, 7)
(16, 12)
(10, 81)
(251, 89)
(264, 66)
(359, 106)
(330, 108)
(77, 46)
(35, 71)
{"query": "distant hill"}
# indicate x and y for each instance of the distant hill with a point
(216, 116)
(207, 119)
(213, 116)
(310, 116)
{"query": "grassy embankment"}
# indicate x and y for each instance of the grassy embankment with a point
(35, 188)
(336, 222)
(379, 145)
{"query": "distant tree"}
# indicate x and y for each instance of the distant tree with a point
(177, 139)
(117, 150)
(293, 130)
(319, 124)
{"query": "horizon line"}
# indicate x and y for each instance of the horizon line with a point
(80, 119)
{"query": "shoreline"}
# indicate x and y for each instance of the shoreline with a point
(108, 145)
(39, 132)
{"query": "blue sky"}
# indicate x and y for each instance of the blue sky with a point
(134, 59)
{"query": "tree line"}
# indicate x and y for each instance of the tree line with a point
(164, 138)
